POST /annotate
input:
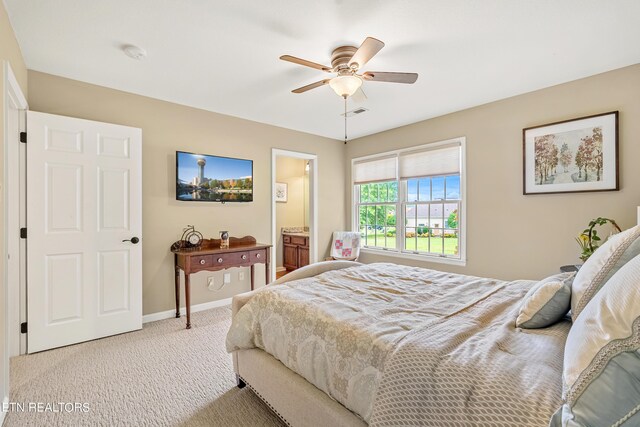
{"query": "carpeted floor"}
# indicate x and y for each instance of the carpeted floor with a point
(162, 375)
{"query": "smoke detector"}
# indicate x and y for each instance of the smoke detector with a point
(134, 52)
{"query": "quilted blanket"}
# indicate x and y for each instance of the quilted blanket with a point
(402, 345)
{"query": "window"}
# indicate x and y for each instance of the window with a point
(410, 202)
(377, 219)
(431, 215)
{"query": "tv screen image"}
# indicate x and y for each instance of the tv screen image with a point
(204, 178)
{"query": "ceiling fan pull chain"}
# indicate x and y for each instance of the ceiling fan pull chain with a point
(345, 119)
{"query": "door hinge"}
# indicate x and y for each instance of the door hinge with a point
(23, 327)
(23, 233)
(23, 137)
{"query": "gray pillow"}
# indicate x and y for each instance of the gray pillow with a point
(546, 303)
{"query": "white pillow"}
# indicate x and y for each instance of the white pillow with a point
(546, 302)
(601, 375)
(604, 262)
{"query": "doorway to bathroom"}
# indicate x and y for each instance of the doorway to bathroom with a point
(293, 210)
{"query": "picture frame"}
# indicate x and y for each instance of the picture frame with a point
(281, 192)
(572, 156)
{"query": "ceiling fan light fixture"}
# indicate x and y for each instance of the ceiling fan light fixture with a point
(345, 86)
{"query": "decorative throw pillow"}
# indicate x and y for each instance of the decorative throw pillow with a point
(601, 374)
(604, 262)
(546, 302)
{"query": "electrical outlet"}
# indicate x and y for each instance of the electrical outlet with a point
(227, 278)
(241, 275)
(211, 283)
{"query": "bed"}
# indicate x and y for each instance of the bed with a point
(345, 344)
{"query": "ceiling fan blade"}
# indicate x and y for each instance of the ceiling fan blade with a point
(311, 86)
(306, 63)
(365, 52)
(359, 96)
(379, 76)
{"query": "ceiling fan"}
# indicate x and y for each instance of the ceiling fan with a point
(346, 61)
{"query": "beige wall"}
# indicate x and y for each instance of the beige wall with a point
(511, 235)
(290, 170)
(9, 51)
(168, 127)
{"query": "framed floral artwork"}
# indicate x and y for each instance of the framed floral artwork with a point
(572, 156)
(281, 192)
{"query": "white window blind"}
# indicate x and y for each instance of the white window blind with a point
(422, 163)
(375, 170)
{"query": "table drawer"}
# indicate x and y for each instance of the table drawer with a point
(201, 261)
(233, 259)
(258, 256)
(299, 240)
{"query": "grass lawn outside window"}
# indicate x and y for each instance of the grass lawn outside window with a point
(436, 242)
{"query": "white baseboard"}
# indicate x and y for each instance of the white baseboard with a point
(5, 402)
(194, 308)
(279, 269)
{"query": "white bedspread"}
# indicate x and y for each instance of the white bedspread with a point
(354, 332)
(337, 329)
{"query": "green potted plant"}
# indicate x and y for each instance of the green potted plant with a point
(589, 240)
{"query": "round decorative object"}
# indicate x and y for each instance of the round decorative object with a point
(203, 262)
(220, 260)
(244, 257)
(191, 239)
(194, 239)
(257, 255)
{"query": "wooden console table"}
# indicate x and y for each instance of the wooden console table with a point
(242, 252)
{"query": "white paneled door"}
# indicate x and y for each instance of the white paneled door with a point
(84, 230)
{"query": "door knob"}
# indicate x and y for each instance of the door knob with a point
(133, 240)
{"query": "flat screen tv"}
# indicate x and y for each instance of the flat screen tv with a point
(203, 178)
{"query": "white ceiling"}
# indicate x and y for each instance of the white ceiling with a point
(222, 56)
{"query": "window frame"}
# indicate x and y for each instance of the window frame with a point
(402, 252)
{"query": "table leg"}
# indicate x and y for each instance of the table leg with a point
(177, 291)
(252, 275)
(187, 296)
(239, 382)
(267, 268)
